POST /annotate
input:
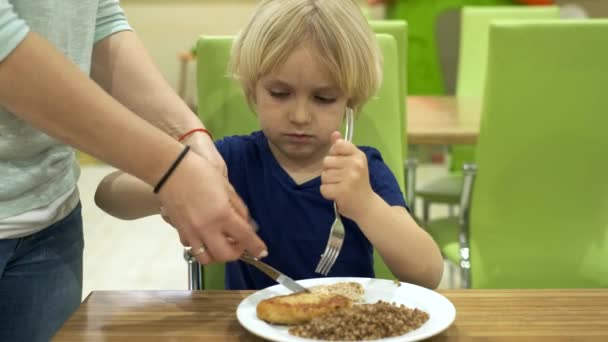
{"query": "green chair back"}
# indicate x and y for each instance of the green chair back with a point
(223, 109)
(221, 104)
(539, 211)
(475, 27)
(381, 124)
(397, 29)
(424, 76)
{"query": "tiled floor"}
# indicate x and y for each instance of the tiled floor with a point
(127, 255)
(146, 253)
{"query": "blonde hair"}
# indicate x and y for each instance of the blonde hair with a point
(338, 30)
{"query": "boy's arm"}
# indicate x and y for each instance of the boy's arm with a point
(126, 197)
(409, 252)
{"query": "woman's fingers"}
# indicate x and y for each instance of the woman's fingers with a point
(206, 210)
(237, 202)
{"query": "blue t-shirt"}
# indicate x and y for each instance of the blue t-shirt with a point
(294, 220)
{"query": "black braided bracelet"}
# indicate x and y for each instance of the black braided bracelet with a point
(179, 158)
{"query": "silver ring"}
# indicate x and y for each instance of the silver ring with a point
(200, 251)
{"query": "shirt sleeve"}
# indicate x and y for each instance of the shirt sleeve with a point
(383, 181)
(110, 19)
(223, 147)
(236, 150)
(230, 150)
(12, 29)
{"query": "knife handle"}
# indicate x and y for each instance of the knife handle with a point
(250, 259)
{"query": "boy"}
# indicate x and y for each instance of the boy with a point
(302, 64)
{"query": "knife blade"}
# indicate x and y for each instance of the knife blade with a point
(273, 273)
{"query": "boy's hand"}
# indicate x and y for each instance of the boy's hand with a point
(202, 144)
(345, 177)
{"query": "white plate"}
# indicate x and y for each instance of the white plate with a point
(441, 311)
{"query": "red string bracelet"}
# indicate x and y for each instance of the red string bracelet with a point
(185, 135)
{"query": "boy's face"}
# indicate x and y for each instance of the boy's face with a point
(299, 106)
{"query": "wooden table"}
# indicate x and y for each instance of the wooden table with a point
(481, 315)
(442, 120)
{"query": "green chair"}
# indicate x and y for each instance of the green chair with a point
(398, 29)
(221, 104)
(475, 30)
(475, 23)
(424, 77)
(380, 123)
(537, 214)
(225, 112)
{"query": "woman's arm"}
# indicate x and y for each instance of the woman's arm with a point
(123, 68)
(41, 86)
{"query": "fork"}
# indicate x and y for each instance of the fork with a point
(336, 234)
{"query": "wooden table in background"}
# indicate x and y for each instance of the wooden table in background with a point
(442, 120)
(481, 315)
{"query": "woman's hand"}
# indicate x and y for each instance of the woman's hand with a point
(206, 211)
(345, 177)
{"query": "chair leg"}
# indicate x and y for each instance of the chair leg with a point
(451, 275)
(195, 274)
(470, 171)
(410, 181)
(425, 211)
(465, 277)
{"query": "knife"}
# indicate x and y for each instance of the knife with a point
(273, 273)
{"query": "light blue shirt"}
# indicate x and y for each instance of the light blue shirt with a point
(36, 169)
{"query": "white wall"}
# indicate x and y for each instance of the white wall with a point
(167, 27)
(594, 8)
